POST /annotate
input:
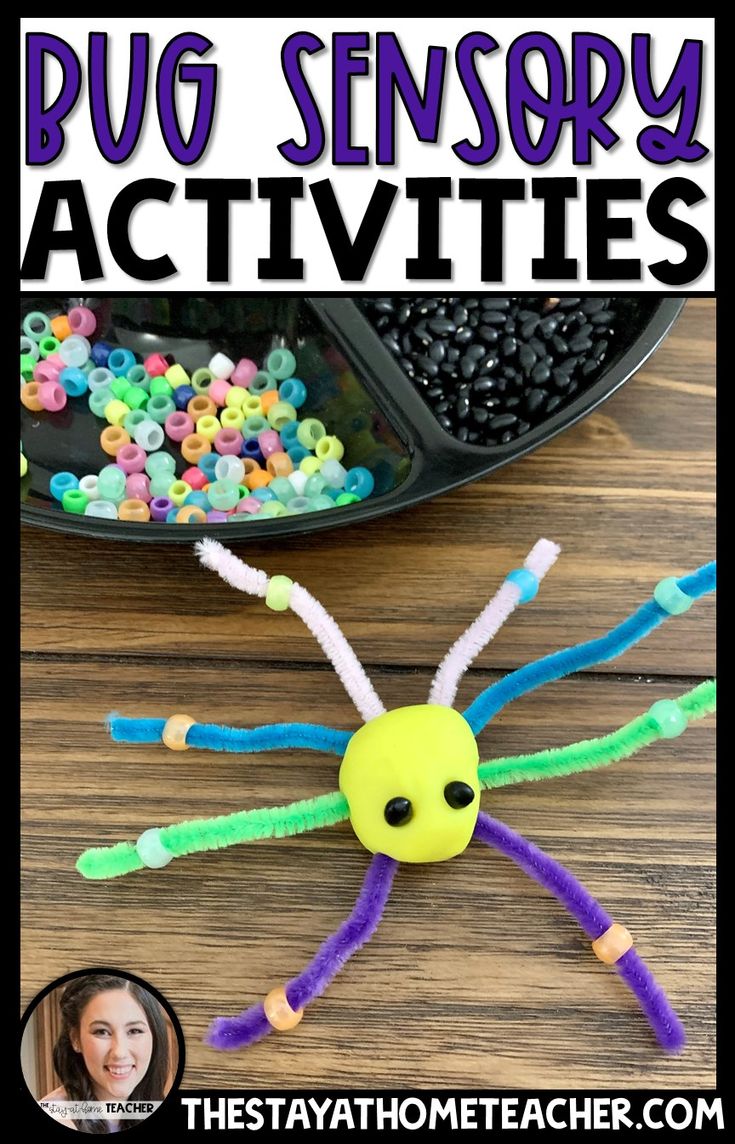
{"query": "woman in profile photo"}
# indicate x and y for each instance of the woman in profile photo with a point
(113, 1046)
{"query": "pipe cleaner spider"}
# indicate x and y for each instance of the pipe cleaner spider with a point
(410, 780)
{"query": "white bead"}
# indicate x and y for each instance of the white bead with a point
(88, 485)
(221, 366)
(230, 469)
(103, 508)
(149, 435)
(298, 480)
(151, 850)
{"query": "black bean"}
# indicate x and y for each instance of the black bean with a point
(560, 345)
(540, 374)
(580, 345)
(479, 414)
(511, 402)
(590, 367)
(460, 315)
(442, 326)
(593, 305)
(445, 422)
(468, 367)
(437, 352)
(504, 421)
(561, 379)
(602, 318)
(509, 346)
(391, 343)
(463, 409)
(488, 334)
(463, 434)
(535, 399)
(496, 303)
(428, 366)
(554, 402)
(521, 428)
(599, 349)
(506, 437)
(404, 313)
(494, 318)
(383, 305)
(548, 327)
(527, 358)
(452, 354)
(463, 336)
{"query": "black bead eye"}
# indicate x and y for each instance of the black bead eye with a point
(458, 795)
(397, 811)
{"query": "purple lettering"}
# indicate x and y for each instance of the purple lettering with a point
(205, 77)
(394, 75)
(44, 133)
(475, 92)
(312, 120)
(120, 149)
(658, 144)
(588, 113)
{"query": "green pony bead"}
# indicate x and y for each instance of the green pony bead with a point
(282, 488)
(270, 508)
(159, 407)
(160, 385)
(100, 399)
(139, 377)
(252, 426)
(280, 413)
(74, 500)
(309, 432)
(321, 502)
(281, 364)
(36, 326)
(222, 495)
(135, 398)
(669, 596)
(27, 366)
(262, 382)
(315, 485)
(160, 463)
(120, 387)
(136, 416)
(160, 482)
(330, 449)
(201, 379)
(250, 407)
(48, 346)
(668, 717)
(347, 498)
(278, 593)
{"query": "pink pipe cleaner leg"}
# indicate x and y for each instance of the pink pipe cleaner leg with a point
(540, 559)
(317, 619)
(593, 919)
(252, 1024)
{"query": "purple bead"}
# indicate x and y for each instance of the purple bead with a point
(161, 507)
(100, 352)
(215, 517)
(182, 395)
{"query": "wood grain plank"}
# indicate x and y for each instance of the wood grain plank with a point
(476, 977)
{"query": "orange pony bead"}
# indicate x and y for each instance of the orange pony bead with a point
(194, 447)
(270, 397)
(279, 1013)
(60, 327)
(201, 406)
(258, 479)
(191, 514)
(134, 509)
(612, 944)
(279, 465)
(113, 438)
(175, 731)
(29, 396)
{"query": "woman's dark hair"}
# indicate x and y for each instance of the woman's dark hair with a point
(69, 1063)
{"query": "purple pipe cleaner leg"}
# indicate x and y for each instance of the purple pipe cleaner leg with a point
(252, 1024)
(593, 920)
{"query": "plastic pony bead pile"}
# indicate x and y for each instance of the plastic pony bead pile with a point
(410, 778)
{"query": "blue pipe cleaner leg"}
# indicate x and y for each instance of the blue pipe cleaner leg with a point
(214, 737)
(561, 663)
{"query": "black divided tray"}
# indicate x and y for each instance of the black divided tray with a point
(355, 386)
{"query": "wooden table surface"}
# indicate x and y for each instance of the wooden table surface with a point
(476, 977)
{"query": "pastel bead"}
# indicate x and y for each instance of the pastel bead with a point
(280, 414)
(526, 581)
(281, 363)
(82, 321)
(293, 391)
(160, 385)
(198, 498)
(207, 464)
(319, 503)
(282, 489)
(52, 396)
(36, 326)
(262, 382)
(139, 378)
(113, 438)
(99, 399)
(137, 487)
(289, 435)
(116, 412)
(252, 406)
(111, 483)
(88, 485)
(48, 346)
(221, 367)
(228, 442)
(99, 378)
(105, 509)
(120, 361)
(131, 458)
(23, 465)
(668, 717)
(279, 464)
(135, 418)
(191, 514)
(265, 493)
(612, 944)
(149, 435)
(171, 518)
(254, 426)
(45, 371)
(669, 596)
(151, 850)
(119, 387)
(155, 365)
(182, 395)
(230, 469)
(235, 397)
(314, 485)
(215, 517)
(201, 406)
(272, 508)
(74, 381)
(175, 730)
(223, 494)
(218, 391)
(27, 367)
(178, 425)
(346, 498)
(298, 481)
(360, 481)
(195, 477)
(257, 479)
(74, 501)
(176, 375)
(310, 433)
(244, 372)
(330, 449)
(178, 492)
(160, 483)
(160, 508)
(194, 446)
(334, 474)
(279, 1013)
(309, 465)
(201, 379)
(208, 427)
(135, 398)
(136, 510)
(30, 347)
(159, 407)
(269, 442)
(298, 505)
(60, 327)
(75, 351)
(298, 454)
(249, 505)
(160, 463)
(231, 418)
(100, 352)
(61, 483)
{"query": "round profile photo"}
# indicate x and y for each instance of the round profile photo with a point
(101, 1050)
